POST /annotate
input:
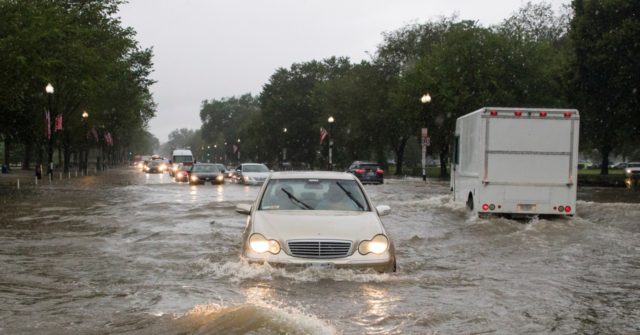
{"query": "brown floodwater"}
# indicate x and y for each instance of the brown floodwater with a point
(132, 253)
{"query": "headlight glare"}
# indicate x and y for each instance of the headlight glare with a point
(260, 244)
(377, 245)
(194, 178)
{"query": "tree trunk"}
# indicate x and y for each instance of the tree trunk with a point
(604, 167)
(26, 161)
(67, 158)
(7, 150)
(399, 151)
(444, 157)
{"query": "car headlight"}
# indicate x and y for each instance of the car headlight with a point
(247, 178)
(219, 178)
(377, 245)
(163, 167)
(260, 244)
(628, 171)
(175, 168)
(194, 178)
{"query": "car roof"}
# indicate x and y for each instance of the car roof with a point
(252, 164)
(312, 174)
(365, 162)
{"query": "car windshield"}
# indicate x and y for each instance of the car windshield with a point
(313, 194)
(205, 168)
(180, 159)
(368, 166)
(255, 168)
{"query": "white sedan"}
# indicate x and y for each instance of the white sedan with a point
(316, 219)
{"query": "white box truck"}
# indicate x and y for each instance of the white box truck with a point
(180, 156)
(516, 161)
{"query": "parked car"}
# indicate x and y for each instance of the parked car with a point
(620, 165)
(251, 173)
(632, 168)
(316, 219)
(201, 173)
(367, 172)
(181, 173)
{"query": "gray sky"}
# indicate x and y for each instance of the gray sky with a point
(210, 49)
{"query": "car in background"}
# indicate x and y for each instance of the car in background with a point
(155, 166)
(316, 219)
(620, 165)
(222, 168)
(181, 173)
(251, 173)
(632, 169)
(201, 173)
(367, 172)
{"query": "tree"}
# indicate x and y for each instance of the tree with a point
(606, 72)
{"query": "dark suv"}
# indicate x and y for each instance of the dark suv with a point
(367, 172)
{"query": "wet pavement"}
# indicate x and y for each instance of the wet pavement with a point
(131, 253)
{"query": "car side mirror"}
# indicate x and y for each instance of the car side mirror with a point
(383, 210)
(243, 209)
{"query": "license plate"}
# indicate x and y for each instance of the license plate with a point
(526, 207)
(319, 265)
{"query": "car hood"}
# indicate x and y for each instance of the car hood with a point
(290, 225)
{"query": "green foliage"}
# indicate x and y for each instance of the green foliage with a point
(93, 63)
(605, 74)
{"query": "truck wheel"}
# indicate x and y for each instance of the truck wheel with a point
(470, 202)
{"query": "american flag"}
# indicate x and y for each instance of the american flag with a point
(323, 134)
(108, 139)
(58, 122)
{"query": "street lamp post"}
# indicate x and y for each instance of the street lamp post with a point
(85, 156)
(331, 120)
(49, 89)
(238, 151)
(284, 148)
(425, 99)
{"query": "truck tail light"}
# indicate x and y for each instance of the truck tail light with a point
(567, 209)
(485, 207)
(517, 113)
(493, 113)
(543, 114)
(567, 114)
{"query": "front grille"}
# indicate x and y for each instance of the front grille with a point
(319, 249)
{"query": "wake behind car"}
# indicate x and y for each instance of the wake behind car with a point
(201, 173)
(367, 172)
(251, 173)
(316, 219)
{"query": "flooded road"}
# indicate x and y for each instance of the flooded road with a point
(130, 253)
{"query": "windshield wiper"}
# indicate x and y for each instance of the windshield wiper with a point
(295, 200)
(351, 196)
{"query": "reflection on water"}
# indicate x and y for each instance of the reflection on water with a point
(134, 253)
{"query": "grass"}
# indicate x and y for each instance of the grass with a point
(591, 172)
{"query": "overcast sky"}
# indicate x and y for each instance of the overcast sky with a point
(210, 49)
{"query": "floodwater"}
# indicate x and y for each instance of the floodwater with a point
(130, 253)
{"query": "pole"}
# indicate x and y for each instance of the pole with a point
(425, 99)
(50, 134)
(330, 146)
